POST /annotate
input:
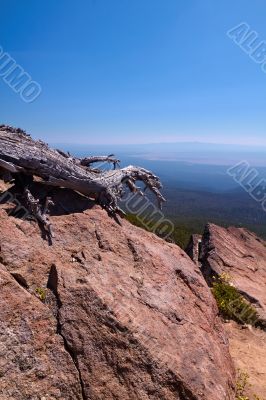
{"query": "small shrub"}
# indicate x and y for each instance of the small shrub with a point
(41, 293)
(231, 304)
(242, 385)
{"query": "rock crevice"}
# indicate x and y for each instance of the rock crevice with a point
(52, 285)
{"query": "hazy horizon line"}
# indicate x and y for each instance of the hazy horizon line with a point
(247, 146)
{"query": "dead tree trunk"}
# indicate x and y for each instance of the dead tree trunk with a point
(20, 154)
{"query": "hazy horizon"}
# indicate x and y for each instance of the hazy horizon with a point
(185, 142)
(186, 152)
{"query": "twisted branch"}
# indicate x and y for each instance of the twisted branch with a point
(19, 153)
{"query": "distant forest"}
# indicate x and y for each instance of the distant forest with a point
(190, 210)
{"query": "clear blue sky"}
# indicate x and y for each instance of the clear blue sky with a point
(134, 71)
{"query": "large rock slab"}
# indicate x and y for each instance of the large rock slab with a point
(242, 255)
(33, 361)
(137, 319)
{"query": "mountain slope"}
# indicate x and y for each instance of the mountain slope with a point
(114, 310)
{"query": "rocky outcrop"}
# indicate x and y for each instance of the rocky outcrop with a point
(108, 311)
(193, 248)
(34, 363)
(240, 254)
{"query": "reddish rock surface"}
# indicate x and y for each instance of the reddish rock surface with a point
(242, 255)
(33, 361)
(125, 314)
(248, 350)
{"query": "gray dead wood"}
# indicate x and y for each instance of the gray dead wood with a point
(20, 154)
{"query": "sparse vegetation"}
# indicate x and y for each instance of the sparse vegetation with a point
(242, 385)
(41, 293)
(231, 303)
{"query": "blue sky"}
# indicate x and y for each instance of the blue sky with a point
(124, 71)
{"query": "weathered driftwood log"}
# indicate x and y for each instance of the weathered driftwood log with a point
(20, 154)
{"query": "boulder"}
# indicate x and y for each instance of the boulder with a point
(109, 311)
(240, 254)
